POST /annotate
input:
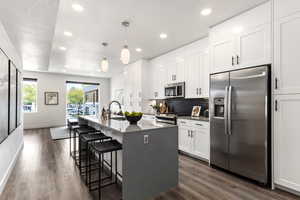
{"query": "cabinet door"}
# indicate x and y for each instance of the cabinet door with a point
(204, 76)
(286, 55)
(222, 55)
(200, 144)
(159, 75)
(254, 47)
(192, 66)
(171, 72)
(180, 70)
(286, 141)
(184, 139)
(283, 8)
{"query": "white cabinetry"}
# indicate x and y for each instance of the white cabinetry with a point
(286, 141)
(222, 54)
(194, 138)
(158, 80)
(242, 41)
(286, 55)
(286, 94)
(175, 70)
(197, 74)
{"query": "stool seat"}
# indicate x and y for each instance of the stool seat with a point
(94, 136)
(108, 146)
(84, 130)
(73, 127)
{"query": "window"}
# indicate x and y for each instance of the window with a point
(29, 95)
(82, 99)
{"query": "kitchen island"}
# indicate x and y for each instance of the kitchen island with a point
(148, 162)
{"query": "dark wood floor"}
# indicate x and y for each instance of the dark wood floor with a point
(45, 171)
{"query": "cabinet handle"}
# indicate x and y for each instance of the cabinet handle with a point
(174, 77)
(276, 83)
(200, 91)
(197, 92)
(232, 61)
(199, 124)
(238, 59)
(192, 135)
(188, 133)
(276, 105)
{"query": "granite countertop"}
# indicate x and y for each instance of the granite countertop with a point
(201, 118)
(123, 126)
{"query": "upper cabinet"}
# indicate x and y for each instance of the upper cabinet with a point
(197, 74)
(175, 70)
(158, 80)
(284, 8)
(286, 44)
(189, 64)
(242, 41)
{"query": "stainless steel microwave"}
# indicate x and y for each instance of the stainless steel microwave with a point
(175, 90)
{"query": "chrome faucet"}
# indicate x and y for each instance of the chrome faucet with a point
(109, 107)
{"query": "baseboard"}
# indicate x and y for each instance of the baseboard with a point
(10, 169)
(287, 189)
(32, 128)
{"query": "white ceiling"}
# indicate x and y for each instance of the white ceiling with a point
(37, 28)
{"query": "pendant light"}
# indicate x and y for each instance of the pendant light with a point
(125, 53)
(104, 61)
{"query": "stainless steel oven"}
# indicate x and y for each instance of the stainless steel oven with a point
(175, 90)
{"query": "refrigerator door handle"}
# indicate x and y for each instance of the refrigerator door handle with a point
(229, 109)
(226, 110)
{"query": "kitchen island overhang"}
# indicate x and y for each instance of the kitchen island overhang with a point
(149, 159)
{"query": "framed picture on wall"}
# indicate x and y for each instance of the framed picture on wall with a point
(12, 97)
(4, 96)
(51, 98)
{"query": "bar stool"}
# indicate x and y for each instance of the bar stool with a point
(71, 130)
(83, 129)
(84, 141)
(100, 148)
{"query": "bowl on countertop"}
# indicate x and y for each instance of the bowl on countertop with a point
(133, 119)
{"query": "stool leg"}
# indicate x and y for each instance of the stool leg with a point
(70, 139)
(111, 165)
(86, 161)
(74, 145)
(89, 174)
(99, 181)
(79, 151)
(116, 167)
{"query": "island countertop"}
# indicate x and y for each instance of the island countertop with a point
(124, 126)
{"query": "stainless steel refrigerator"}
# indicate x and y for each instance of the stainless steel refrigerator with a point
(240, 122)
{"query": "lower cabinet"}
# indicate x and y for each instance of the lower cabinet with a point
(194, 138)
(287, 141)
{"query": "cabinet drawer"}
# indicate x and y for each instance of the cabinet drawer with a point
(194, 123)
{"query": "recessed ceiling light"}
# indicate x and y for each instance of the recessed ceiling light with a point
(62, 48)
(206, 11)
(77, 7)
(67, 33)
(163, 35)
(138, 49)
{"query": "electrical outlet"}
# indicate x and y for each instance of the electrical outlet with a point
(146, 139)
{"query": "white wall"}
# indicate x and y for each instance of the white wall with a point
(9, 148)
(54, 115)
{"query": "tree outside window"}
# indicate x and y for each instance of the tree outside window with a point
(30, 95)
